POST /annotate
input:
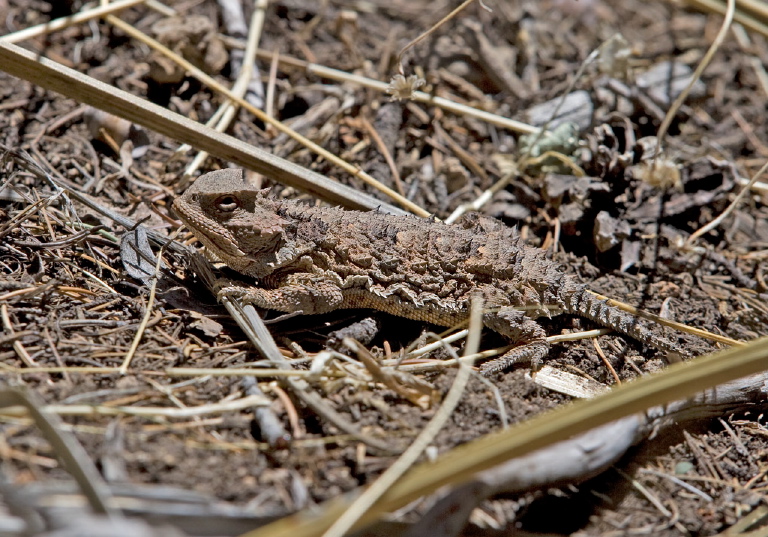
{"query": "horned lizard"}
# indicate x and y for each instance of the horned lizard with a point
(318, 259)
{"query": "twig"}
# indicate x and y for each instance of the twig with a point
(385, 153)
(17, 346)
(257, 332)
(147, 411)
(746, 19)
(66, 22)
(462, 463)
(717, 221)
(55, 77)
(261, 116)
(67, 449)
(224, 115)
(386, 480)
(429, 32)
(419, 96)
(678, 102)
(148, 313)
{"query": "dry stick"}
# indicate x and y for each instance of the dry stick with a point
(429, 32)
(758, 7)
(717, 221)
(269, 98)
(148, 313)
(226, 113)
(714, 47)
(460, 465)
(257, 332)
(384, 150)
(161, 8)
(55, 77)
(744, 19)
(148, 411)
(90, 370)
(67, 450)
(418, 96)
(244, 372)
(260, 115)
(17, 346)
(386, 480)
(66, 22)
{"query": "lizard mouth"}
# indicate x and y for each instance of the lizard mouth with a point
(216, 238)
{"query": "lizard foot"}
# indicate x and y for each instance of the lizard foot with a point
(530, 336)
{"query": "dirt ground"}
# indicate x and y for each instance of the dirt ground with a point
(67, 300)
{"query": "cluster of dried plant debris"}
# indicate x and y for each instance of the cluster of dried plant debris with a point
(155, 381)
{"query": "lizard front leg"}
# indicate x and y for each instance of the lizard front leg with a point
(526, 332)
(307, 294)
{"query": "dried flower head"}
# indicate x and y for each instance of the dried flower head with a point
(660, 173)
(402, 88)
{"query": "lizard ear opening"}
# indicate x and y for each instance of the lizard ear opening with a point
(226, 203)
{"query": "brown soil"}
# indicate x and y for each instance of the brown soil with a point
(87, 309)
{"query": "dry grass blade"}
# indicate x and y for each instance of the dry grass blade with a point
(751, 14)
(731, 207)
(259, 335)
(55, 77)
(257, 332)
(714, 47)
(148, 310)
(678, 381)
(65, 22)
(429, 32)
(365, 501)
(222, 118)
(148, 411)
(259, 114)
(418, 96)
(69, 451)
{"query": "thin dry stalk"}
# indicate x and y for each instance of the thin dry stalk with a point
(367, 499)
(523, 160)
(241, 372)
(257, 332)
(224, 115)
(429, 32)
(678, 102)
(672, 324)
(385, 152)
(148, 312)
(21, 352)
(65, 22)
(746, 19)
(735, 203)
(146, 411)
(68, 82)
(418, 96)
(260, 115)
(461, 464)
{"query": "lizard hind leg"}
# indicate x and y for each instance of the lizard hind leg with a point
(531, 339)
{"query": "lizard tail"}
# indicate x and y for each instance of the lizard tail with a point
(585, 304)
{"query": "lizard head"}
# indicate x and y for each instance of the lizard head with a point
(232, 218)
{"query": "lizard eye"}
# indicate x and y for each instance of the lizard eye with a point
(227, 203)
